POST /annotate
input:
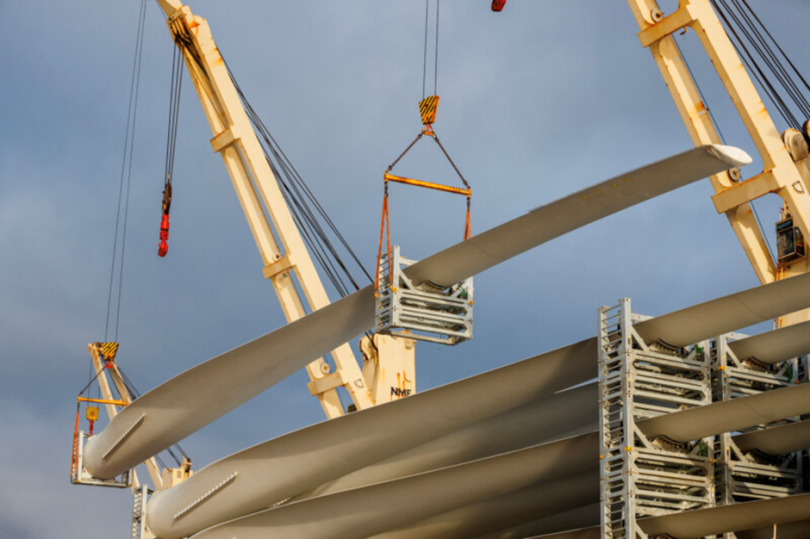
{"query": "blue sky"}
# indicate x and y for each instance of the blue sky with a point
(539, 101)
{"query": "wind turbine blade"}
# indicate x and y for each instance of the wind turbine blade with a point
(732, 415)
(777, 440)
(370, 510)
(271, 472)
(195, 398)
(563, 415)
(586, 516)
(728, 313)
(293, 464)
(572, 212)
(739, 517)
(466, 518)
(794, 530)
(775, 346)
(730, 518)
(365, 512)
(544, 500)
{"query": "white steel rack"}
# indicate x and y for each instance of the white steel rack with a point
(750, 476)
(140, 498)
(80, 476)
(432, 313)
(640, 476)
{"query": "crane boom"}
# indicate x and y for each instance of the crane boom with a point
(260, 196)
(780, 174)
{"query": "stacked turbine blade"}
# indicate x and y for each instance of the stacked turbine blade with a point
(756, 518)
(504, 410)
(475, 487)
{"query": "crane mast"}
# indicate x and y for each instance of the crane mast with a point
(279, 241)
(783, 174)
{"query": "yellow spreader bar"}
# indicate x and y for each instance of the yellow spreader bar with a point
(102, 401)
(428, 185)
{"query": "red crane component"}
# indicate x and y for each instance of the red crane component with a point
(497, 5)
(163, 247)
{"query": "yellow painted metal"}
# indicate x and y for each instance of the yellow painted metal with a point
(780, 175)
(91, 413)
(285, 257)
(428, 108)
(428, 185)
(100, 401)
(394, 378)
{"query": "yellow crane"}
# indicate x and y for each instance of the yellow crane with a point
(786, 168)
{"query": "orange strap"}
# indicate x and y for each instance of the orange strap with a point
(385, 225)
(74, 464)
(467, 228)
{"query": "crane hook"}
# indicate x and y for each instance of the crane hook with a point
(163, 247)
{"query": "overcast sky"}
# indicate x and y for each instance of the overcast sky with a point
(539, 101)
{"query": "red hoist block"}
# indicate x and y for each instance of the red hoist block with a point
(497, 5)
(163, 248)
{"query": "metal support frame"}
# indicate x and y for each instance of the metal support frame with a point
(641, 476)
(749, 476)
(80, 476)
(140, 499)
(780, 174)
(440, 315)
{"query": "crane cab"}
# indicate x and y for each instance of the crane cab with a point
(789, 242)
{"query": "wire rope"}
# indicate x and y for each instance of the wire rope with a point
(720, 134)
(424, 60)
(758, 49)
(436, 56)
(126, 163)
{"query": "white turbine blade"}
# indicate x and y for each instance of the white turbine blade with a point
(293, 464)
(739, 517)
(775, 346)
(794, 530)
(561, 217)
(580, 517)
(562, 415)
(365, 512)
(387, 505)
(729, 416)
(729, 313)
(777, 440)
(479, 439)
(524, 505)
(297, 462)
(195, 398)
(730, 518)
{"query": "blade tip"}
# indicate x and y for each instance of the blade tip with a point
(732, 155)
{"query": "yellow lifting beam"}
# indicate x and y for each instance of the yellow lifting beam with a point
(428, 185)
